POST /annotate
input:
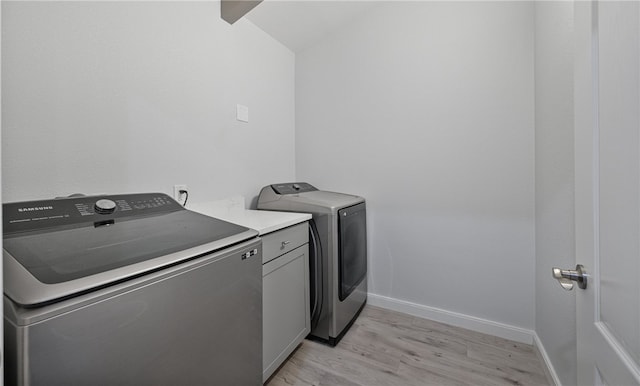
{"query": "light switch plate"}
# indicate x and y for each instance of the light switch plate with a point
(242, 113)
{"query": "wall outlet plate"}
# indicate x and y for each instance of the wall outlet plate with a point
(176, 193)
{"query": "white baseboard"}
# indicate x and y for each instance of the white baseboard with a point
(453, 318)
(550, 371)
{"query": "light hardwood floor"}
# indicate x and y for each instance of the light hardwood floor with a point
(389, 348)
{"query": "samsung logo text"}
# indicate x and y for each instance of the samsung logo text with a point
(34, 208)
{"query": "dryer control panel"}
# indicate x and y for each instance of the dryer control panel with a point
(292, 188)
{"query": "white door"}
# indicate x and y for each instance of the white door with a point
(607, 118)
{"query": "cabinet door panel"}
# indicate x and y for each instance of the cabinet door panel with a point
(285, 306)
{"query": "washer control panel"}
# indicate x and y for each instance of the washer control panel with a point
(104, 206)
(72, 211)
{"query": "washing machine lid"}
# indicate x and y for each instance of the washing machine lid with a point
(55, 248)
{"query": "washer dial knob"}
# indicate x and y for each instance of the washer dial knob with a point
(105, 206)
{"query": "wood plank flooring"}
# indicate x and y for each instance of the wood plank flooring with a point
(389, 348)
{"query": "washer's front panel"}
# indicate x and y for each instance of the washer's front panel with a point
(201, 326)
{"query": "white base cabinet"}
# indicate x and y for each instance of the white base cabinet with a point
(285, 294)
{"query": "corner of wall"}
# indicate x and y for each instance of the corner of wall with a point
(547, 366)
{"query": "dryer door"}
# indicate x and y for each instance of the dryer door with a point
(352, 247)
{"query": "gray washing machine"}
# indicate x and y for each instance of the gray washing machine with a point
(129, 289)
(338, 253)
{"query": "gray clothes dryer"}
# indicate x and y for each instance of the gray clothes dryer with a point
(338, 253)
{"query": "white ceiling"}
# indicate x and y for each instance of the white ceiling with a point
(299, 24)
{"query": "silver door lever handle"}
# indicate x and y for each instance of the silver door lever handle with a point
(566, 277)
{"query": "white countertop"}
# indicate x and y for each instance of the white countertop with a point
(233, 210)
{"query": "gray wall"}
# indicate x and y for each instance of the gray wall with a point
(114, 97)
(555, 307)
(426, 109)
